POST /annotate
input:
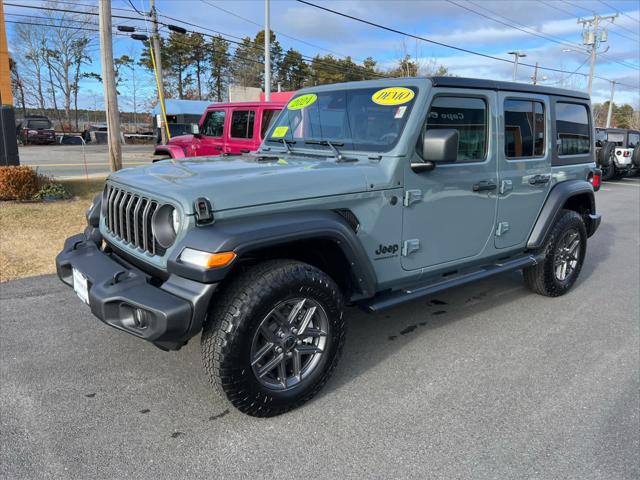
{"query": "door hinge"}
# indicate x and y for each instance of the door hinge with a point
(505, 186)
(503, 227)
(412, 196)
(410, 246)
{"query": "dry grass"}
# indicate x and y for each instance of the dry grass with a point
(32, 234)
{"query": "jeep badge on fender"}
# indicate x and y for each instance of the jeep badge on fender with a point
(259, 253)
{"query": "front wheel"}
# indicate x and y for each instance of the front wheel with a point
(274, 338)
(564, 250)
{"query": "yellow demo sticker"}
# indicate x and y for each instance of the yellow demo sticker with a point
(302, 101)
(280, 132)
(392, 96)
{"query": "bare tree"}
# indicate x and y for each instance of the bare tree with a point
(17, 85)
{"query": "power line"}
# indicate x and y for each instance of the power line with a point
(621, 12)
(136, 10)
(279, 33)
(512, 26)
(453, 47)
(595, 13)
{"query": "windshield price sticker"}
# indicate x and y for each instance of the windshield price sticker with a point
(302, 101)
(393, 96)
(280, 132)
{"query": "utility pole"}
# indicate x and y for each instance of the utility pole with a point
(267, 53)
(592, 37)
(517, 55)
(155, 41)
(109, 82)
(613, 89)
(534, 77)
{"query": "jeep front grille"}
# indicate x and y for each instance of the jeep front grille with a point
(128, 218)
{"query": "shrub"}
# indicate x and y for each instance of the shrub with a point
(52, 191)
(18, 183)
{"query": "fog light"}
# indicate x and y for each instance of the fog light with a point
(141, 318)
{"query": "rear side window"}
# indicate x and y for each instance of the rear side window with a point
(213, 125)
(634, 140)
(268, 117)
(242, 123)
(572, 128)
(523, 128)
(468, 115)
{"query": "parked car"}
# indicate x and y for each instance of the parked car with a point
(370, 193)
(225, 128)
(36, 129)
(615, 152)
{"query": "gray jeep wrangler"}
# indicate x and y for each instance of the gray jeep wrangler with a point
(369, 193)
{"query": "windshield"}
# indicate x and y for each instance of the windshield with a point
(39, 124)
(370, 119)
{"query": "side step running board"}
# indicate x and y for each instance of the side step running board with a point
(391, 299)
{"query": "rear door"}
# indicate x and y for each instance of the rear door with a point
(242, 134)
(211, 140)
(524, 165)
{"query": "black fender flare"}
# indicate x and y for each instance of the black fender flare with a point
(556, 199)
(247, 234)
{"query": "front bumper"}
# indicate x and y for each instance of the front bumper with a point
(122, 295)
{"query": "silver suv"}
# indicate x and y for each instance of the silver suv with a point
(369, 193)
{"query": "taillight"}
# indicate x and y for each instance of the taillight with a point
(595, 180)
(627, 153)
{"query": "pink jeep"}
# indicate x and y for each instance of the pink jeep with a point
(225, 128)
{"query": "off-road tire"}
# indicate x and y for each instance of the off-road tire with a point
(238, 312)
(541, 278)
(605, 161)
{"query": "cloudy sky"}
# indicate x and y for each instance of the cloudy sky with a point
(547, 31)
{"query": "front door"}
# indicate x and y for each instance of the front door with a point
(242, 134)
(211, 140)
(449, 212)
(524, 168)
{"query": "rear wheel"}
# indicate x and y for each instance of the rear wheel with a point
(564, 250)
(275, 337)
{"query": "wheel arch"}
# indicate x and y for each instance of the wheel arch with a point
(576, 195)
(173, 151)
(321, 238)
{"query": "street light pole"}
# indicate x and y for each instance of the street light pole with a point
(267, 53)
(517, 55)
(613, 89)
(155, 41)
(109, 82)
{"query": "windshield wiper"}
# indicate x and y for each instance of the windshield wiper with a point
(286, 144)
(331, 145)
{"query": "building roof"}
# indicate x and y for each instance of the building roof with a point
(182, 107)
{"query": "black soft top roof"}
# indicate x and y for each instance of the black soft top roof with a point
(462, 82)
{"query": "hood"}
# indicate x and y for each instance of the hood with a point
(243, 181)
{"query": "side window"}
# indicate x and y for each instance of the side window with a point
(468, 115)
(634, 140)
(572, 129)
(523, 128)
(242, 123)
(268, 117)
(213, 125)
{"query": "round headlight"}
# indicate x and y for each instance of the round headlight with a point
(175, 219)
(163, 225)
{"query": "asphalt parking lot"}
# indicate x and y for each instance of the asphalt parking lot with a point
(487, 381)
(68, 161)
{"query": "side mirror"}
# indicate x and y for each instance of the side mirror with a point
(195, 129)
(440, 145)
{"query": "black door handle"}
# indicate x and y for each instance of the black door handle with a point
(484, 185)
(218, 148)
(539, 180)
(244, 150)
